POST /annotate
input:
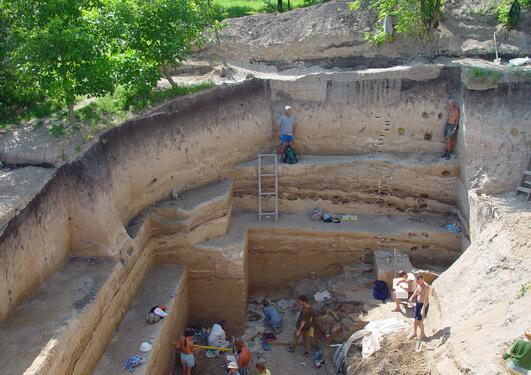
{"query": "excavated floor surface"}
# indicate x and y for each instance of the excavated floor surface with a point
(158, 287)
(349, 286)
(37, 323)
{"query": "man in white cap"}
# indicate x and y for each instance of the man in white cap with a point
(233, 369)
(285, 129)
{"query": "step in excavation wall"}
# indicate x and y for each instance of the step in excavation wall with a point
(188, 142)
(82, 210)
(376, 185)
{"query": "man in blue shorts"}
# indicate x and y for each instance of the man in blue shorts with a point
(285, 129)
(422, 294)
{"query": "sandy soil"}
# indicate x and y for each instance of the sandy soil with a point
(400, 354)
(157, 287)
(38, 321)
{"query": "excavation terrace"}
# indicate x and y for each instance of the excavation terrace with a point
(165, 211)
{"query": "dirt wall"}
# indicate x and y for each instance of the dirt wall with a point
(216, 277)
(495, 136)
(164, 355)
(186, 142)
(279, 257)
(380, 184)
(399, 110)
(34, 244)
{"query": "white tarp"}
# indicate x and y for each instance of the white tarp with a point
(371, 336)
(378, 329)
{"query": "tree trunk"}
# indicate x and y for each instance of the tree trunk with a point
(167, 75)
(170, 80)
(289, 5)
(279, 5)
(71, 115)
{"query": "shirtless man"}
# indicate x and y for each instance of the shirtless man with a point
(450, 129)
(421, 307)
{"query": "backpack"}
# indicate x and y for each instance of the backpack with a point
(380, 290)
(289, 156)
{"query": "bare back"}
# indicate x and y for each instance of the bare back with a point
(453, 114)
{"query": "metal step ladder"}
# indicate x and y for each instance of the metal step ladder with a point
(525, 183)
(274, 193)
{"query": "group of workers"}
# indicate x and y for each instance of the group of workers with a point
(287, 125)
(217, 340)
(242, 354)
(408, 286)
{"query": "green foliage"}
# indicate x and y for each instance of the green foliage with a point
(55, 51)
(413, 17)
(481, 78)
(237, 8)
(125, 99)
(509, 12)
(355, 5)
(523, 289)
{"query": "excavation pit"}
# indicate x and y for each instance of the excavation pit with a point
(170, 199)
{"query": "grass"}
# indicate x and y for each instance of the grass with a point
(103, 113)
(523, 289)
(239, 8)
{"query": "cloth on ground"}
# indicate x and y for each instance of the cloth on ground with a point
(133, 362)
(322, 296)
(378, 329)
(519, 61)
(454, 228)
(371, 336)
(327, 218)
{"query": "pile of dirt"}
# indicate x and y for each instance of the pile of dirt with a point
(332, 35)
(398, 356)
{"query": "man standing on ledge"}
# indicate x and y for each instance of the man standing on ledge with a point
(286, 129)
(450, 129)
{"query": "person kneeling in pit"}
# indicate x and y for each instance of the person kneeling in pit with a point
(404, 286)
(273, 319)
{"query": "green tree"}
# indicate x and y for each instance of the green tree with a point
(419, 17)
(58, 52)
(154, 34)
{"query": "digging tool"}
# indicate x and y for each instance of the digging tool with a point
(206, 347)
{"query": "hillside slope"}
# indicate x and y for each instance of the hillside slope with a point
(479, 306)
(333, 35)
